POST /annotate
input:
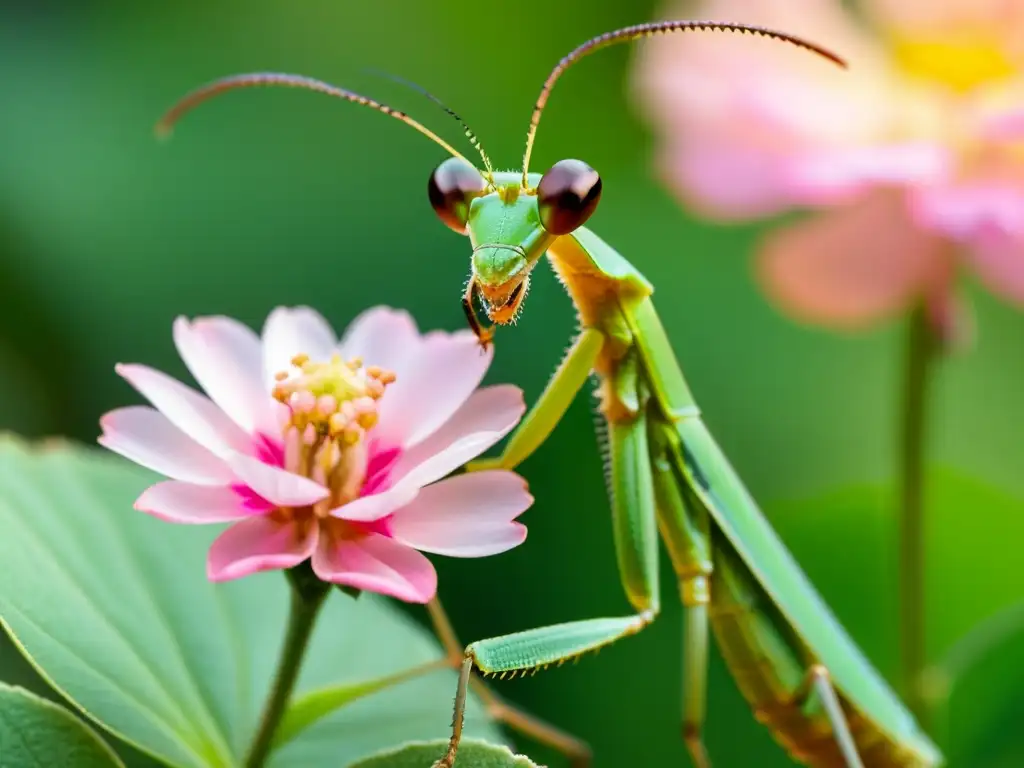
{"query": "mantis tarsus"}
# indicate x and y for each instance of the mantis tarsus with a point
(803, 676)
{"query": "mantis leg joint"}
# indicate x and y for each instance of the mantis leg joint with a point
(814, 673)
(694, 741)
(689, 412)
(695, 590)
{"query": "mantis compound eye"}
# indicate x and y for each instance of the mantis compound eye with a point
(567, 195)
(452, 187)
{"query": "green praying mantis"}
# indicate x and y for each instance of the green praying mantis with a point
(803, 676)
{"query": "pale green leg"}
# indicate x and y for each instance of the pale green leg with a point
(818, 682)
(574, 749)
(535, 427)
(635, 529)
(695, 682)
(686, 531)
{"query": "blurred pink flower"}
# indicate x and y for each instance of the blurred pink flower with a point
(914, 154)
(312, 454)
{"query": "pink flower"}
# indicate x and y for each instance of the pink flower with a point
(310, 453)
(914, 155)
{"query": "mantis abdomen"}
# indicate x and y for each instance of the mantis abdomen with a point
(775, 632)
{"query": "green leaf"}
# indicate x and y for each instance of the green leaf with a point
(472, 754)
(36, 733)
(114, 609)
(307, 709)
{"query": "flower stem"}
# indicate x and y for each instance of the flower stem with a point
(922, 345)
(307, 596)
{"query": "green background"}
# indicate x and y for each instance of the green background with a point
(278, 197)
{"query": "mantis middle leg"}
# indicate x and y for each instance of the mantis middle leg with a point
(819, 684)
(575, 750)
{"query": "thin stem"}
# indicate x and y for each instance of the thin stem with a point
(307, 596)
(920, 353)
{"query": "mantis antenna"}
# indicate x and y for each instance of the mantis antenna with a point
(477, 145)
(638, 31)
(255, 79)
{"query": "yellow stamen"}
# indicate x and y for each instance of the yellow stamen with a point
(331, 405)
(336, 424)
(351, 433)
(961, 60)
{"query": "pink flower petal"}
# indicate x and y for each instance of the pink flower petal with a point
(179, 502)
(827, 177)
(275, 484)
(706, 175)
(487, 416)
(383, 336)
(269, 450)
(377, 564)
(251, 502)
(225, 357)
(763, 88)
(927, 17)
(968, 209)
(466, 516)
(998, 260)
(147, 437)
(850, 266)
(259, 544)
(188, 410)
(444, 373)
(290, 331)
(1001, 122)
(733, 177)
(373, 507)
(378, 468)
(743, 120)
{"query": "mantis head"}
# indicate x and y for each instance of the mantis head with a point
(511, 224)
(511, 218)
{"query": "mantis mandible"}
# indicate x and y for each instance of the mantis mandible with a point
(801, 673)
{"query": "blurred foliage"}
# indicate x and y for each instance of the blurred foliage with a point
(276, 197)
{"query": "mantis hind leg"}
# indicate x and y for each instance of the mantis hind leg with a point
(819, 683)
(685, 529)
(695, 680)
(575, 750)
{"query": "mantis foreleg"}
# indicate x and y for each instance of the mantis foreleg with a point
(566, 381)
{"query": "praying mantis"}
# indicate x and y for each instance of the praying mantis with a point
(803, 676)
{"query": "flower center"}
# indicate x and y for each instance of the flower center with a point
(961, 60)
(331, 406)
